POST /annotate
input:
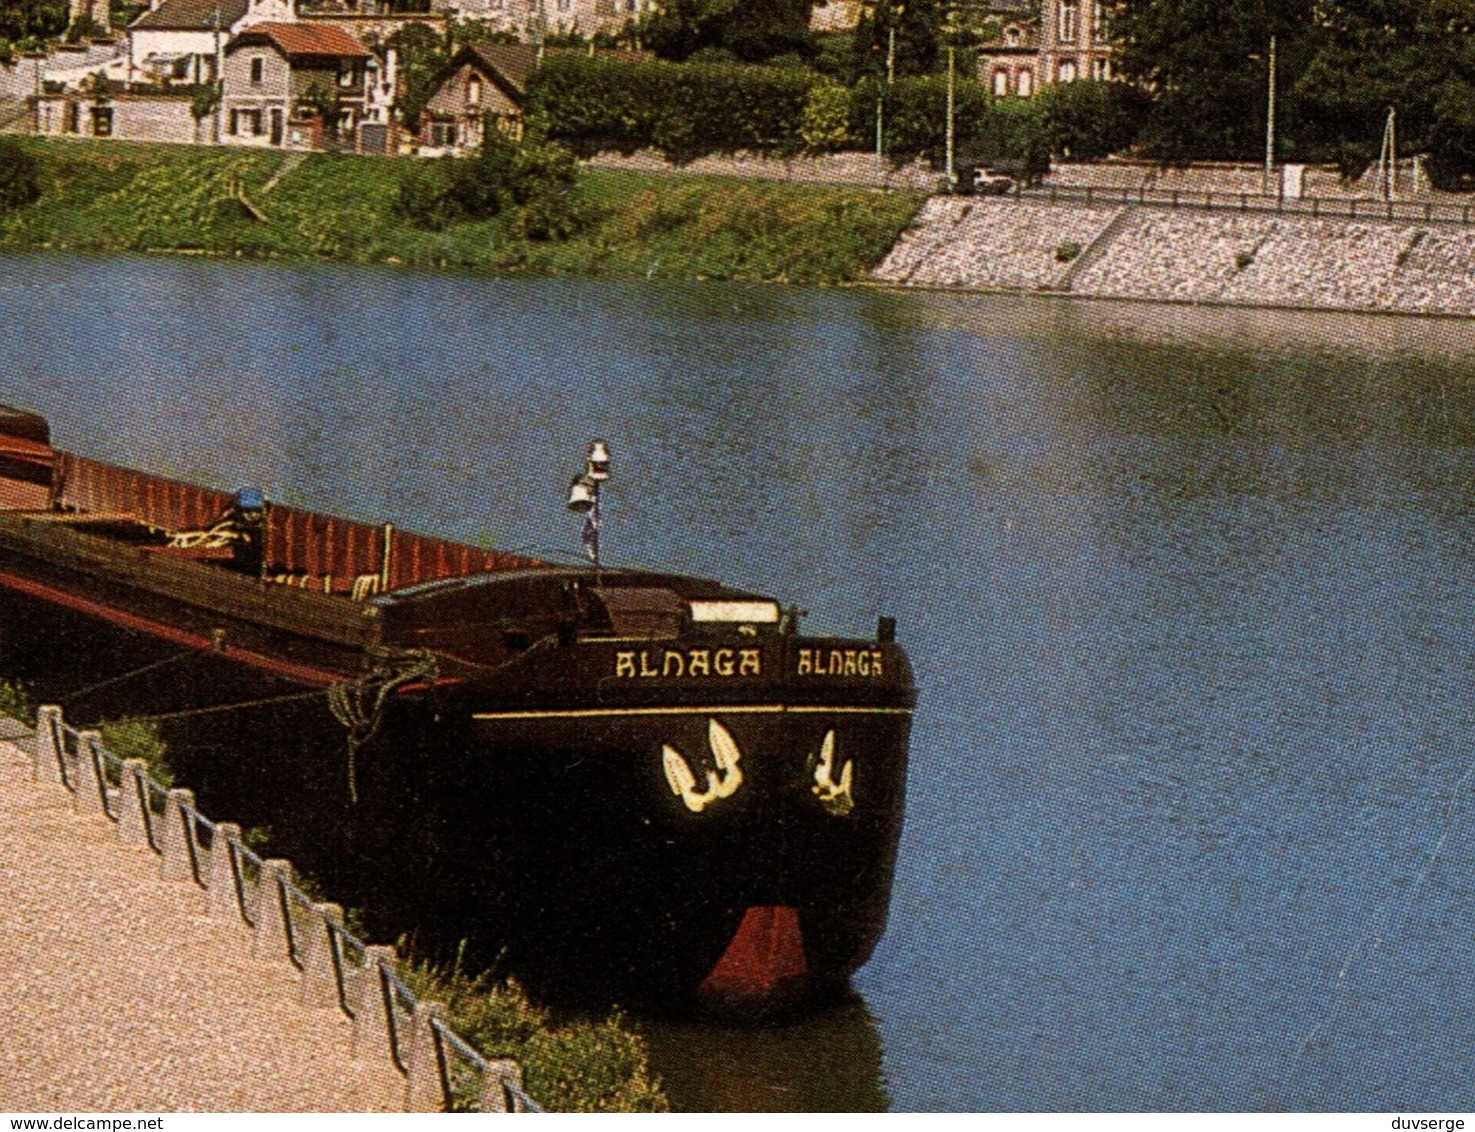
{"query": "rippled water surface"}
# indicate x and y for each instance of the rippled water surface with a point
(1191, 822)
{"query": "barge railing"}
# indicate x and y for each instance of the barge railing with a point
(443, 1072)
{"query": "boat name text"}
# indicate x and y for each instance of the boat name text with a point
(840, 662)
(672, 663)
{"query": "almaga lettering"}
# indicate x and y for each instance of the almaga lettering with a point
(839, 662)
(672, 664)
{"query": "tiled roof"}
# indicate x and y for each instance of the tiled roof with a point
(514, 62)
(297, 40)
(192, 15)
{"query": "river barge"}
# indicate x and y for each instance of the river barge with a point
(617, 784)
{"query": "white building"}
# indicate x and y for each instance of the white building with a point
(184, 41)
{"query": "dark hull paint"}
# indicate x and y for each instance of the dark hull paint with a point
(529, 811)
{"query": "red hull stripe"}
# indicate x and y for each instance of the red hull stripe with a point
(299, 672)
(766, 952)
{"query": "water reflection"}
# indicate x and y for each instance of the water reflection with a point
(829, 1062)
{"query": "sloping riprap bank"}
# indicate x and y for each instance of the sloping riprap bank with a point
(1188, 256)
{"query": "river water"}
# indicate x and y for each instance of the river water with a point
(1192, 814)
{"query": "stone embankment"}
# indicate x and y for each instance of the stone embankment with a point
(1187, 255)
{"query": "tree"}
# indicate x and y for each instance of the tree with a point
(748, 31)
(423, 55)
(916, 24)
(32, 19)
(1091, 120)
(1206, 64)
(1412, 55)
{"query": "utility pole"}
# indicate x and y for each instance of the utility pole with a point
(952, 83)
(1270, 122)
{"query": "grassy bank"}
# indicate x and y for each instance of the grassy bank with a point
(118, 196)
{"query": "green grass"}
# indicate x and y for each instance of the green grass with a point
(119, 196)
(573, 1066)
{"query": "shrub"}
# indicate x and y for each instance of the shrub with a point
(825, 126)
(1066, 252)
(20, 182)
(132, 739)
(16, 701)
(539, 179)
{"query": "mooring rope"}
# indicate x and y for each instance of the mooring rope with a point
(69, 696)
(359, 704)
(238, 706)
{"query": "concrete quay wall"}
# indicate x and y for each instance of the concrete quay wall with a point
(1188, 255)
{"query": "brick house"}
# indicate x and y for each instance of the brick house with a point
(271, 73)
(1065, 43)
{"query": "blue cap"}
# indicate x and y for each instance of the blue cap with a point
(250, 499)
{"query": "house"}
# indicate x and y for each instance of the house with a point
(1064, 43)
(482, 81)
(531, 19)
(487, 82)
(294, 85)
(182, 41)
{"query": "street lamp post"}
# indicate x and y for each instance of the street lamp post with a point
(1270, 122)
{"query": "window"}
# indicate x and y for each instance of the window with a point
(1012, 36)
(1070, 20)
(1100, 70)
(258, 67)
(564, 5)
(245, 123)
(473, 91)
(1026, 83)
(443, 134)
(346, 77)
(1068, 71)
(1001, 83)
(71, 119)
(102, 121)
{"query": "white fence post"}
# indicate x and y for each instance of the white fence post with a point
(273, 939)
(320, 968)
(221, 899)
(48, 752)
(499, 1073)
(90, 783)
(181, 850)
(423, 1089)
(133, 799)
(372, 1033)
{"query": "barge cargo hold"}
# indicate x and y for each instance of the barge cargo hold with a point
(619, 784)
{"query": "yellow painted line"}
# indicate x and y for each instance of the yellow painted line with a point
(744, 709)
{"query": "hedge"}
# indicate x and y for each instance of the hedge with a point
(685, 110)
(689, 110)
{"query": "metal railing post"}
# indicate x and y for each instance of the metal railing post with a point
(425, 1083)
(133, 821)
(48, 749)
